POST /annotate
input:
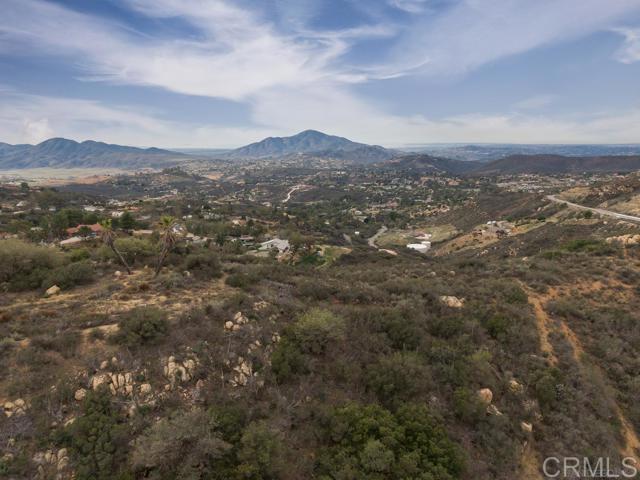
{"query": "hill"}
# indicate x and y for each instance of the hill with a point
(64, 153)
(428, 164)
(558, 164)
(315, 143)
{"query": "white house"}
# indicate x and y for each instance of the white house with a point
(275, 244)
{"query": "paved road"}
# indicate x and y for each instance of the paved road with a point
(599, 211)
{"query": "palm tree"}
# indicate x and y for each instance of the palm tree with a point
(168, 239)
(108, 238)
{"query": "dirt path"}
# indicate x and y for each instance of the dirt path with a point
(545, 327)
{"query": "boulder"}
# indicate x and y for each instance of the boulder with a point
(485, 395)
(80, 394)
(515, 387)
(526, 427)
(451, 301)
(51, 291)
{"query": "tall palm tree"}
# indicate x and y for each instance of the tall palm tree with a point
(108, 238)
(168, 239)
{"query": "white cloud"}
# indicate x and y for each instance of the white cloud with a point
(629, 52)
(295, 79)
(30, 118)
(476, 32)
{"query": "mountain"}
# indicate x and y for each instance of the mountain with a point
(312, 142)
(64, 153)
(422, 163)
(558, 164)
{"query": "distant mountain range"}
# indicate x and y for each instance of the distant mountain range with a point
(312, 142)
(488, 152)
(559, 164)
(63, 153)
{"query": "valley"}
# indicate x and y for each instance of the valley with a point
(271, 304)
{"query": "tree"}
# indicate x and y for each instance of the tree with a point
(168, 239)
(84, 231)
(108, 238)
(127, 222)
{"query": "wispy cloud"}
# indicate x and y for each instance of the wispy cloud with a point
(535, 102)
(476, 32)
(629, 52)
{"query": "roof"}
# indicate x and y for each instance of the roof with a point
(95, 228)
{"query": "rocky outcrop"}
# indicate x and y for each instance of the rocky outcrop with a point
(626, 240)
(239, 319)
(16, 407)
(52, 464)
(180, 371)
(452, 302)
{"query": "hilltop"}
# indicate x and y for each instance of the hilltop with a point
(312, 142)
(65, 153)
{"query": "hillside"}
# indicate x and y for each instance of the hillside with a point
(428, 164)
(557, 164)
(64, 153)
(312, 142)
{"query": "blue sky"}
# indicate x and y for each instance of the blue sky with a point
(222, 73)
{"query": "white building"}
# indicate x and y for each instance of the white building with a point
(275, 244)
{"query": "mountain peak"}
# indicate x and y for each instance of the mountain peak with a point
(312, 142)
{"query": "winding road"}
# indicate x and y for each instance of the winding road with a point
(599, 211)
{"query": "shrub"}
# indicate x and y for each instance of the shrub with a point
(398, 377)
(183, 446)
(141, 326)
(68, 276)
(134, 250)
(287, 360)
(370, 442)
(203, 265)
(98, 438)
(260, 453)
(23, 266)
(316, 329)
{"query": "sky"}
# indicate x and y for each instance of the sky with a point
(223, 73)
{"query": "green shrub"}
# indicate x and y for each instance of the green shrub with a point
(79, 254)
(98, 438)
(203, 265)
(287, 360)
(260, 453)
(370, 442)
(314, 330)
(68, 276)
(134, 250)
(24, 266)
(398, 377)
(142, 326)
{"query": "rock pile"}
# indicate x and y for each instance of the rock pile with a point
(180, 371)
(626, 240)
(238, 320)
(17, 407)
(51, 464)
